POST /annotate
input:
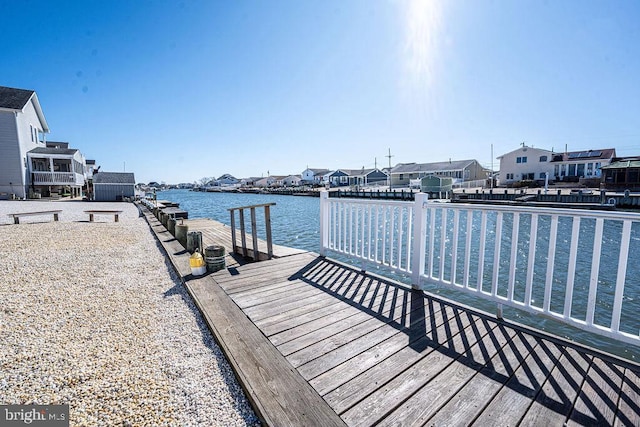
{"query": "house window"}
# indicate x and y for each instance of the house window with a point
(509, 176)
(521, 159)
(32, 139)
(542, 175)
(543, 158)
(401, 177)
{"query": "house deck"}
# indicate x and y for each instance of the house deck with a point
(315, 342)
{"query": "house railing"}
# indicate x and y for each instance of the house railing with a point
(243, 249)
(57, 178)
(570, 265)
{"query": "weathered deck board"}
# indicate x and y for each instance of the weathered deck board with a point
(317, 343)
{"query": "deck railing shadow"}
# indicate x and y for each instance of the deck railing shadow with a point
(554, 381)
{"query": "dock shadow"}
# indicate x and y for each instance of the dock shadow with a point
(493, 348)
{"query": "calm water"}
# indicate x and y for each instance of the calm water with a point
(295, 223)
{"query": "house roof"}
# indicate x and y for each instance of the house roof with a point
(14, 99)
(623, 164)
(605, 153)
(526, 148)
(431, 167)
(358, 172)
(54, 151)
(318, 171)
(114, 178)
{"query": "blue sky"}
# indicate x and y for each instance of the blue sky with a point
(176, 91)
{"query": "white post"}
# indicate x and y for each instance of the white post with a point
(324, 222)
(418, 243)
(546, 182)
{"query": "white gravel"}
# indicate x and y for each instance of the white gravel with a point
(91, 315)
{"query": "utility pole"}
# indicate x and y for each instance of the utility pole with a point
(389, 156)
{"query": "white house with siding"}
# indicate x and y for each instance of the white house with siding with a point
(525, 163)
(313, 176)
(22, 129)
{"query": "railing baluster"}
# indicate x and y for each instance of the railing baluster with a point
(391, 234)
(496, 255)
(400, 237)
(432, 240)
(370, 227)
(595, 270)
(362, 221)
(467, 249)
(533, 237)
(454, 248)
(621, 276)
(377, 251)
(409, 241)
(571, 271)
(483, 236)
(350, 228)
(384, 234)
(514, 255)
(551, 256)
(443, 240)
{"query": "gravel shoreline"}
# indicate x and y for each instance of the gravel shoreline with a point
(92, 315)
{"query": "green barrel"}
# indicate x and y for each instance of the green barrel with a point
(214, 258)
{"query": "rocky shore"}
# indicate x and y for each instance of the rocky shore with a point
(91, 315)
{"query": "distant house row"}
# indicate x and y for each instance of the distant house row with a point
(522, 166)
(32, 167)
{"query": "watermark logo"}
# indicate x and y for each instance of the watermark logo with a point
(34, 415)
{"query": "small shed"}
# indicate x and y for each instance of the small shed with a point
(436, 184)
(113, 186)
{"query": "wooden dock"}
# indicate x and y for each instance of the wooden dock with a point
(315, 342)
(216, 233)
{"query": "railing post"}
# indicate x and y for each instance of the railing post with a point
(267, 222)
(233, 230)
(254, 234)
(324, 222)
(418, 241)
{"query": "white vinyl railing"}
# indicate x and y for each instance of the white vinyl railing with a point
(575, 266)
(57, 178)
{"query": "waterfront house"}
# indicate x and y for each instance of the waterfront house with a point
(581, 166)
(292, 181)
(312, 176)
(56, 169)
(22, 129)
(365, 177)
(250, 182)
(622, 174)
(227, 180)
(113, 186)
(525, 164)
(271, 181)
(458, 170)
